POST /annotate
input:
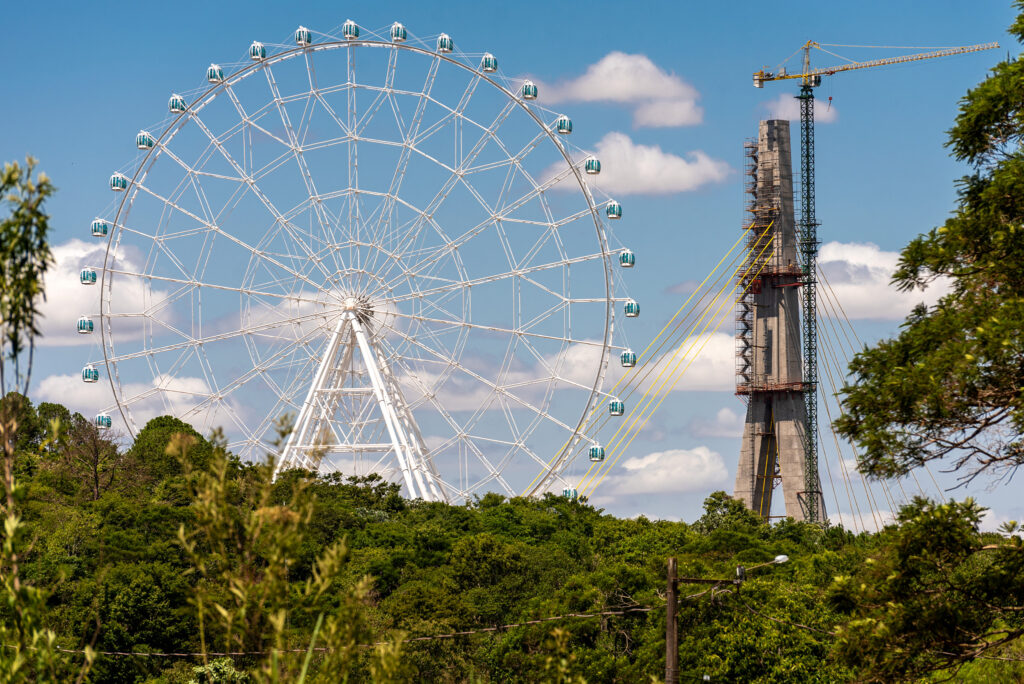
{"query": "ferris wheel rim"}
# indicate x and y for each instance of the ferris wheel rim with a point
(553, 468)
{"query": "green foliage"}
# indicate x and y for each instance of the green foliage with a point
(934, 595)
(24, 257)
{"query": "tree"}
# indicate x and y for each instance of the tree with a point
(92, 457)
(951, 384)
(29, 650)
(936, 595)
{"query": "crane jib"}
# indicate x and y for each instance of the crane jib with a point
(761, 76)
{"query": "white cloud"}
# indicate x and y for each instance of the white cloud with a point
(991, 520)
(785, 106)
(726, 423)
(176, 397)
(707, 362)
(675, 470)
(67, 298)
(629, 168)
(659, 98)
(860, 275)
(870, 521)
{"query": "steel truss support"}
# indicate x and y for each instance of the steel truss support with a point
(811, 498)
(318, 430)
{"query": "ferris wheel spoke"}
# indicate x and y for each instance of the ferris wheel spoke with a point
(248, 119)
(523, 271)
(405, 155)
(247, 180)
(455, 113)
(296, 149)
(267, 364)
(460, 434)
(320, 92)
(492, 328)
(453, 244)
(193, 342)
(205, 285)
(497, 389)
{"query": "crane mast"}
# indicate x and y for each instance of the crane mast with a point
(811, 501)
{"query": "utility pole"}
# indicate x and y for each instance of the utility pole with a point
(671, 630)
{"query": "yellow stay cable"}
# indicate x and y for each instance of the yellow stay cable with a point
(828, 374)
(637, 413)
(676, 366)
(942, 495)
(833, 303)
(676, 381)
(637, 380)
(642, 353)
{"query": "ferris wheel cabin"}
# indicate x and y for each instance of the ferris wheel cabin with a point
(628, 358)
(398, 33)
(100, 228)
(214, 74)
(616, 407)
(631, 308)
(177, 104)
(445, 43)
(596, 453)
(350, 30)
(303, 37)
(87, 276)
(529, 91)
(627, 259)
(90, 374)
(85, 326)
(103, 421)
(257, 51)
(613, 210)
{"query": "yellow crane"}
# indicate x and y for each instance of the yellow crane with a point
(808, 235)
(812, 77)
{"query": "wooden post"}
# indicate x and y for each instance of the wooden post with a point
(671, 632)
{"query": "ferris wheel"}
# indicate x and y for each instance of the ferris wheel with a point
(381, 237)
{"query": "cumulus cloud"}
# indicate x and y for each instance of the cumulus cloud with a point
(659, 98)
(726, 423)
(674, 470)
(785, 106)
(706, 362)
(992, 520)
(860, 273)
(67, 298)
(629, 168)
(163, 395)
(867, 520)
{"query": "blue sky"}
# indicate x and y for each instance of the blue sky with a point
(83, 82)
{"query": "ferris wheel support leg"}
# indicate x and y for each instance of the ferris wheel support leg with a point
(399, 439)
(291, 456)
(421, 463)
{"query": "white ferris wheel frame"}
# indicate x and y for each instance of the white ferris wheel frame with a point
(402, 439)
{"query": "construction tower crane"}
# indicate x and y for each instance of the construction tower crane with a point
(808, 227)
